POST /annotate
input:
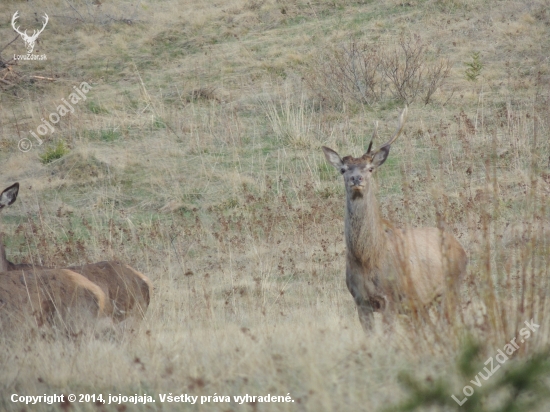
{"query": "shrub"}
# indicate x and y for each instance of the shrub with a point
(474, 67)
(54, 152)
(364, 73)
(522, 387)
(410, 73)
(348, 72)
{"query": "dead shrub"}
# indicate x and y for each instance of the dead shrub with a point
(411, 71)
(366, 73)
(347, 72)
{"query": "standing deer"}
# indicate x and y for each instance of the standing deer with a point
(386, 264)
(127, 291)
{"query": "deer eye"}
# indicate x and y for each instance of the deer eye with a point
(370, 169)
(342, 170)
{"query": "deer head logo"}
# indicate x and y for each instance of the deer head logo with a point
(29, 40)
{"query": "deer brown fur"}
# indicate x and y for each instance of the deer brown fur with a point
(385, 265)
(49, 295)
(127, 289)
(126, 292)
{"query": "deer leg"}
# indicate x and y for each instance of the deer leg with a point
(366, 316)
(384, 305)
(366, 308)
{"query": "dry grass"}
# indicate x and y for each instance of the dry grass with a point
(196, 159)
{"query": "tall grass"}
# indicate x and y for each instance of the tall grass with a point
(292, 121)
(224, 201)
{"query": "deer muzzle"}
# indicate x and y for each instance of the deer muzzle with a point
(357, 182)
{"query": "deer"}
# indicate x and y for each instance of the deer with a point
(127, 290)
(385, 264)
(45, 293)
(29, 40)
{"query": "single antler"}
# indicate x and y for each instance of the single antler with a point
(402, 119)
(15, 17)
(46, 18)
(374, 135)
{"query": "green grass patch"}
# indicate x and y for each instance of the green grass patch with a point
(326, 171)
(104, 135)
(95, 107)
(158, 123)
(54, 152)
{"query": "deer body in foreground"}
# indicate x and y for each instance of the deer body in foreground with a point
(125, 292)
(45, 293)
(128, 291)
(49, 295)
(384, 264)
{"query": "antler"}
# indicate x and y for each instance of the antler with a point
(374, 134)
(24, 34)
(402, 119)
(15, 17)
(43, 27)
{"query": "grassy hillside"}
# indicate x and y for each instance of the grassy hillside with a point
(196, 158)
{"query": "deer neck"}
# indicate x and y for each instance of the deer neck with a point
(3, 260)
(363, 227)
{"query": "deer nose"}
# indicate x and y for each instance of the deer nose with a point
(356, 180)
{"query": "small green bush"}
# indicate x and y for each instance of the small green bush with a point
(95, 107)
(54, 152)
(521, 385)
(474, 67)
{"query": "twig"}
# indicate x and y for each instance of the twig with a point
(72, 7)
(42, 78)
(129, 21)
(8, 63)
(16, 37)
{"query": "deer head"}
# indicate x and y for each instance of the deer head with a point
(7, 197)
(29, 40)
(358, 171)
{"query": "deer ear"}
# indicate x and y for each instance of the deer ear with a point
(333, 158)
(381, 155)
(8, 196)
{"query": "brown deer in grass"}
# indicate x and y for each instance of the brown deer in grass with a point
(387, 266)
(127, 291)
(45, 293)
